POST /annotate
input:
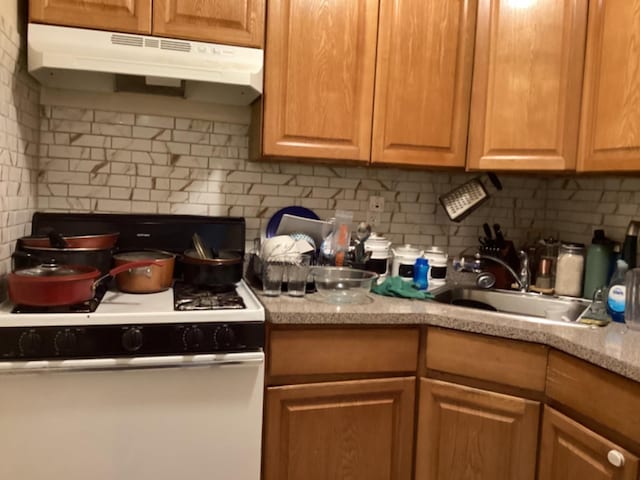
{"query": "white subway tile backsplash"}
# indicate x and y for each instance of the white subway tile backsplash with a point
(195, 125)
(154, 121)
(113, 130)
(114, 117)
(126, 143)
(151, 133)
(161, 164)
(68, 113)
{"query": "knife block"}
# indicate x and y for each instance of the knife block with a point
(506, 253)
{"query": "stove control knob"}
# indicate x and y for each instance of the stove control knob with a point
(132, 339)
(29, 343)
(192, 337)
(224, 337)
(65, 342)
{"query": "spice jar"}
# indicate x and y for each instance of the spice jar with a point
(569, 270)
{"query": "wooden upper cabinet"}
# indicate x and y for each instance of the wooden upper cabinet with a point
(357, 430)
(234, 22)
(528, 68)
(568, 450)
(423, 82)
(466, 433)
(132, 16)
(610, 123)
(319, 78)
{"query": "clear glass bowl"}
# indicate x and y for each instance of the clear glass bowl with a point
(340, 285)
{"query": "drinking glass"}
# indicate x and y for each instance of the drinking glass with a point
(297, 274)
(632, 299)
(272, 273)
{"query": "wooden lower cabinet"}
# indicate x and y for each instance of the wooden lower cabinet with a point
(469, 434)
(355, 430)
(570, 451)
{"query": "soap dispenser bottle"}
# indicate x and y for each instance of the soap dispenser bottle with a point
(616, 294)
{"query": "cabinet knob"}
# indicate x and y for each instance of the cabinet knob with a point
(615, 458)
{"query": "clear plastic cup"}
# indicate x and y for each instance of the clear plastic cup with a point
(297, 274)
(632, 299)
(272, 273)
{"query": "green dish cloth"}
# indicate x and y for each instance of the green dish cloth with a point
(397, 287)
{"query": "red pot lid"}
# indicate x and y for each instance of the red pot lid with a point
(54, 270)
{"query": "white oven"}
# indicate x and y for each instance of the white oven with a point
(186, 411)
(155, 418)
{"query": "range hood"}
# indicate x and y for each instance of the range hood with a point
(92, 60)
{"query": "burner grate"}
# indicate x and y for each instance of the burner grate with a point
(190, 297)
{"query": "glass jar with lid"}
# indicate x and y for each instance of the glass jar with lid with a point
(569, 269)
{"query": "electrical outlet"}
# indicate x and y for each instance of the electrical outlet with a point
(376, 204)
(373, 218)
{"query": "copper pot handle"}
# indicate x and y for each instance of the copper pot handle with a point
(123, 268)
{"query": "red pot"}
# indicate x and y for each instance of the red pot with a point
(53, 285)
(75, 242)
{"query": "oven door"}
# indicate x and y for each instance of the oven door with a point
(155, 418)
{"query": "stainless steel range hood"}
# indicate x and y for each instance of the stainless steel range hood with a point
(91, 60)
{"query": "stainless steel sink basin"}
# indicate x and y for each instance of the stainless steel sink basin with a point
(543, 308)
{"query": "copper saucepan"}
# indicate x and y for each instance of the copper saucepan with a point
(52, 285)
(149, 279)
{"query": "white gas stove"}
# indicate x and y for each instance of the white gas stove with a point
(154, 385)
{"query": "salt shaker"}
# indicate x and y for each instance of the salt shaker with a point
(569, 270)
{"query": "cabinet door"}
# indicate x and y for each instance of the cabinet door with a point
(360, 430)
(569, 451)
(319, 75)
(423, 82)
(234, 22)
(118, 15)
(610, 124)
(468, 433)
(525, 101)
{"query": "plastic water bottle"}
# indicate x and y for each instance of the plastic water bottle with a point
(421, 273)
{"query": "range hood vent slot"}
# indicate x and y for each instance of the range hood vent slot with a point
(117, 39)
(175, 45)
(152, 42)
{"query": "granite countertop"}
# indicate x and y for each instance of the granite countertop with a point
(613, 347)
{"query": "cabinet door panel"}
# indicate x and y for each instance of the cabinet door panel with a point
(610, 126)
(320, 62)
(234, 22)
(468, 433)
(118, 15)
(360, 430)
(527, 81)
(570, 451)
(423, 82)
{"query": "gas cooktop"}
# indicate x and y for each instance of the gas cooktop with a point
(118, 308)
(178, 321)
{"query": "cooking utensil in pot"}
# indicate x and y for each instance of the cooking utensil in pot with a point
(55, 240)
(462, 200)
(52, 285)
(149, 279)
(201, 249)
(499, 235)
(223, 271)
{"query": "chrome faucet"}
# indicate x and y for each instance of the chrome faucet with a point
(474, 264)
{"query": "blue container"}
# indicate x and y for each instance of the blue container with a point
(421, 273)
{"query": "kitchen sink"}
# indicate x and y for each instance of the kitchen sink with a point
(543, 308)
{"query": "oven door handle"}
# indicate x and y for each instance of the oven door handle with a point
(135, 363)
